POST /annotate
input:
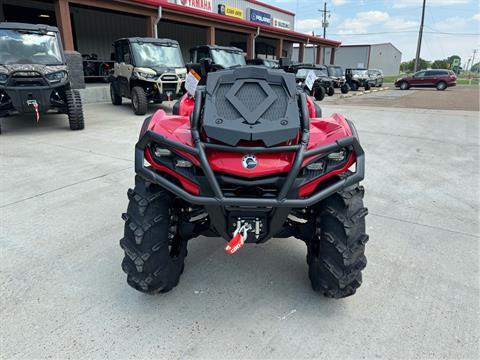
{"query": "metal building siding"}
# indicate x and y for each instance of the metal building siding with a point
(352, 57)
(187, 36)
(386, 58)
(96, 30)
(242, 4)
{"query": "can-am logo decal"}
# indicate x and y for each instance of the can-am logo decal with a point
(205, 5)
(249, 161)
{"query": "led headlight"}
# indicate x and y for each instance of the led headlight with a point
(3, 78)
(56, 76)
(338, 156)
(316, 166)
(159, 152)
(183, 163)
(145, 75)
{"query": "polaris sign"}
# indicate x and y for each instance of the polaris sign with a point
(259, 17)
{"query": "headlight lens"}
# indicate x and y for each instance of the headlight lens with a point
(56, 76)
(3, 78)
(182, 76)
(145, 75)
(338, 156)
(316, 166)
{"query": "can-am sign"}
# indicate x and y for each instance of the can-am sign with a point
(230, 11)
(206, 5)
(259, 17)
(282, 24)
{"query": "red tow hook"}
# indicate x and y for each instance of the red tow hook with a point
(239, 237)
(36, 107)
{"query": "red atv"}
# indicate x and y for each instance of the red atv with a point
(248, 159)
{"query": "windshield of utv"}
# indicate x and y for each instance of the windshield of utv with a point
(155, 55)
(29, 47)
(335, 71)
(228, 59)
(302, 73)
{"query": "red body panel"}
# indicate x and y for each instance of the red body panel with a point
(323, 131)
(187, 103)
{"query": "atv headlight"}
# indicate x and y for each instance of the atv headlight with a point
(159, 152)
(3, 78)
(183, 163)
(56, 76)
(145, 75)
(316, 166)
(338, 156)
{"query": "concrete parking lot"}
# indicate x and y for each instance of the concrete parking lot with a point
(463, 97)
(64, 294)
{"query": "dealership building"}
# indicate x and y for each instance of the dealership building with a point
(90, 26)
(385, 56)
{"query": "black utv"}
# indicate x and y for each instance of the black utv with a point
(210, 58)
(36, 76)
(357, 78)
(338, 77)
(323, 84)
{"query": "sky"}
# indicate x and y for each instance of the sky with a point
(452, 27)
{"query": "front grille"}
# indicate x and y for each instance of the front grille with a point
(250, 191)
(26, 78)
(169, 78)
(170, 88)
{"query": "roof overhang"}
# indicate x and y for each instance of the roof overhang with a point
(174, 12)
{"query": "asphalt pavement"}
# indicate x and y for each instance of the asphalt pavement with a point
(64, 295)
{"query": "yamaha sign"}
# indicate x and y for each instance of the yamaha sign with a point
(206, 5)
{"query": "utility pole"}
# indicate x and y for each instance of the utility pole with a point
(473, 58)
(420, 34)
(325, 25)
(468, 64)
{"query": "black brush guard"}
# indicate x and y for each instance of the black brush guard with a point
(218, 198)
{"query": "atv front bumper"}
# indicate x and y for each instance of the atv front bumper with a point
(287, 196)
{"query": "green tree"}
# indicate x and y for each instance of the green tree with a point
(440, 64)
(408, 66)
(452, 58)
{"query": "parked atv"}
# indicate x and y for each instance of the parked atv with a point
(35, 74)
(93, 68)
(147, 70)
(322, 86)
(338, 78)
(248, 160)
(357, 78)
